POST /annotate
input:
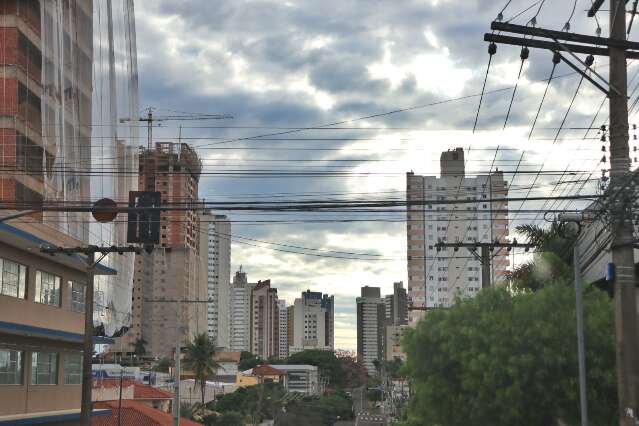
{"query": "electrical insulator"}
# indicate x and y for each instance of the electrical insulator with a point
(603, 127)
(603, 138)
(500, 17)
(603, 148)
(634, 148)
(603, 159)
(556, 58)
(634, 127)
(566, 27)
(492, 48)
(590, 60)
(524, 53)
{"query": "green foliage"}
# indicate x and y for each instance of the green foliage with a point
(163, 365)
(248, 361)
(198, 358)
(394, 368)
(261, 401)
(139, 346)
(227, 419)
(323, 411)
(501, 359)
(552, 260)
(328, 364)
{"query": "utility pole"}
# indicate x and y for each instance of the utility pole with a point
(178, 352)
(87, 347)
(624, 281)
(485, 250)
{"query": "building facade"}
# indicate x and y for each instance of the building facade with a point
(313, 322)
(393, 342)
(452, 208)
(172, 270)
(50, 147)
(240, 339)
(215, 249)
(396, 305)
(371, 319)
(265, 338)
(283, 329)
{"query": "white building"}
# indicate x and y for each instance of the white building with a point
(283, 326)
(452, 208)
(303, 379)
(313, 324)
(240, 338)
(215, 249)
(371, 318)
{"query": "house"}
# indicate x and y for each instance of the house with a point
(228, 363)
(134, 413)
(109, 390)
(261, 374)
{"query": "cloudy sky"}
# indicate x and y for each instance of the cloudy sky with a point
(416, 66)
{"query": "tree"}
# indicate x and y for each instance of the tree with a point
(352, 373)
(248, 361)
(139, 346)
(552, 260)
(230, 418)
(504, 359)
(327, 363)
(163, 365)
(198, 358)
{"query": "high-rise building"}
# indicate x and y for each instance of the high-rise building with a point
(240, 313)
(283, 329)
(172, 270)
(215, 249)
(290, 332)
(50, 143)
(313, 320)
(396, 305)
(264, 320)
(371, 319)
(452, 208)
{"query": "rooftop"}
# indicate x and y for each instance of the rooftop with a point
(135, 414)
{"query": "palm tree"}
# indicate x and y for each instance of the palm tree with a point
(553, 257)
(198, 358)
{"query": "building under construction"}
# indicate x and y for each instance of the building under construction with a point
(172, 271)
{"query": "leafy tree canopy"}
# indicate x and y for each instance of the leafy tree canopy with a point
(248, 361)
(500, 359)
(163, 365)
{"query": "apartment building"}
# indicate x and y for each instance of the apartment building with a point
(240, 339)
(396, 305)
(215, 249)
(313, 322)
(283, 329)
(452, 208)
(371, 319)
(172, 271)
(264, 324)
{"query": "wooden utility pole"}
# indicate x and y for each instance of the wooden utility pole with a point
(620, 192)
(624, 281)
(87, 346)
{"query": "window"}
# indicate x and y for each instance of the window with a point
(13, 279)
(44, 368)
(10, 367)
(47, 289)
(77, 292)
(73, 368)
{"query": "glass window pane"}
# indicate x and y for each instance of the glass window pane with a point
(47, 288)
(77, 295)
(12, 278)
(44, 368)
(10, 367)
(73, 368)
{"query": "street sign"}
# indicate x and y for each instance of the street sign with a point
(104, 214)
(144, 225)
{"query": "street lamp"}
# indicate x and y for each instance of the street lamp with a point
(576, 219)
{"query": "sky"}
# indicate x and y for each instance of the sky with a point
(403, 79)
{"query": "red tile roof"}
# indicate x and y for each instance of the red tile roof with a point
(135, 414)
(142, 391)
(266, 370)
(111, 382)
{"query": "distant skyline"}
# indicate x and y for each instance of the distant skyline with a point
(279, 64)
